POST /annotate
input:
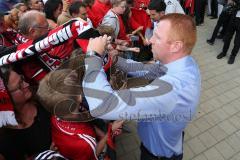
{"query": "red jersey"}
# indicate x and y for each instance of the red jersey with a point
(74, 140)
(140, 17)
(141, 4)
(122, 31)
(97, 12)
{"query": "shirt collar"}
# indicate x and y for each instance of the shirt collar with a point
(179, 64)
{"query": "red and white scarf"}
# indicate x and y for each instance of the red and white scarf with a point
(62, 34)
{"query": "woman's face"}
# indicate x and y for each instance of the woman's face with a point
(23, 8)
(18, 88)
(36, 5)
(120, 9)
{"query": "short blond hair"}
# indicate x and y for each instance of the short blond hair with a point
(59, 90)
(183, 29)
(116, 2)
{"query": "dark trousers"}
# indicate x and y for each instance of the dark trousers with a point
(214, 8)
(146, 155)
(223, 21)
(234, 26)
(199, 11)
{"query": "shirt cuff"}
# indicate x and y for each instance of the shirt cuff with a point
(93, 63)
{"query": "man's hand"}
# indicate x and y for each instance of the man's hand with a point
(146, 42)
(139, 29)
(66, 5)
(117, 127)
(98, 44)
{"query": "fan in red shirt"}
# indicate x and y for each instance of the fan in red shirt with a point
(72, 132)
(98, 11)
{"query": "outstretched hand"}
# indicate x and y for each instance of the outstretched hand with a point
(66, 4)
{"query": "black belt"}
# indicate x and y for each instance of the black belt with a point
(153, 157)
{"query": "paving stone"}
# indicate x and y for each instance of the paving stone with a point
(223, 99)
(200, 157)
(225, 149)
(192, 130)
(207, 75)
(222, 115)
(212, 118)
(206, 85)
(207, 139)
(215, 103)
(235, 120)
(210, 93)
(227, 127)
(215, 80)
(234, 142)
(236, 157)
(207, 107)
(202, 124)
(186, 136)
(187, 152)
(231, 95)
(218, 89)
(218, 133)
(199, 112)
(213, 154)
(196, 145)
(236, 90)
(238, 133)
(238, 106)
(230, 109)
(236, 103)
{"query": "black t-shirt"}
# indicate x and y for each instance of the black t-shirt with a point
(16, 144)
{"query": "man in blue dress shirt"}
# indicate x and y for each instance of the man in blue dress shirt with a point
(165, 106)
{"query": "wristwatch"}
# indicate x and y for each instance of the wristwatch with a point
(93, 53)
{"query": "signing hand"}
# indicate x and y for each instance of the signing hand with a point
(98, 44)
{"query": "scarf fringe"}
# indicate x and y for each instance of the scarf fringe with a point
(7, 118)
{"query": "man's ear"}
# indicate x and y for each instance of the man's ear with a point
(176, 46)
(31, 31)
(162, 13)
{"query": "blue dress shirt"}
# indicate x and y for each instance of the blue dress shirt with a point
(162, 113)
